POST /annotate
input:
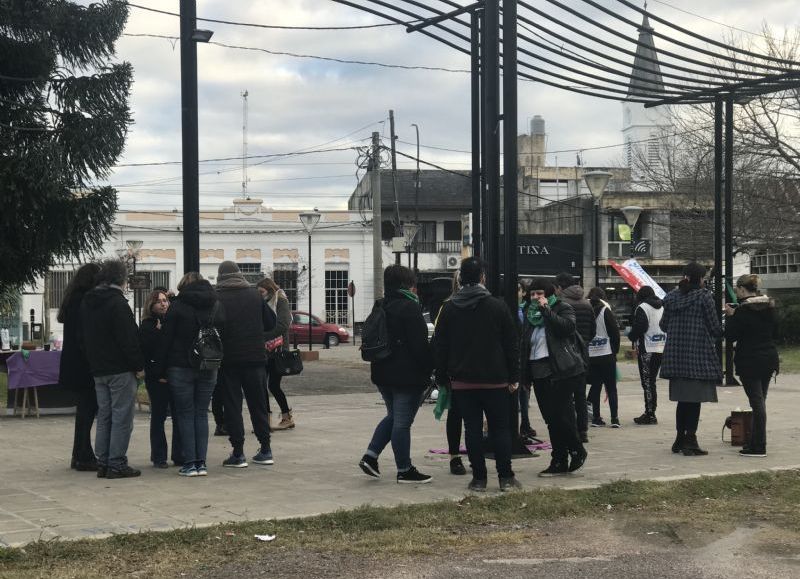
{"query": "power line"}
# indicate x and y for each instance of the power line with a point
(274, 26)
(274, 155)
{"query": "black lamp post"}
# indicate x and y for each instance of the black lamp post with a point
(309, 221)
(596, 181)
(632, 213)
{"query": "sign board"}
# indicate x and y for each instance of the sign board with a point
(139, 281)
(549, 255)
(642, 247)
(351, 289)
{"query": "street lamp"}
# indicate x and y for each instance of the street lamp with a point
(597, 181)
(309, 221)
(134, 245)
(632, 213)
(410, 231)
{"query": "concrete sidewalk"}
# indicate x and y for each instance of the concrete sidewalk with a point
(316, 472)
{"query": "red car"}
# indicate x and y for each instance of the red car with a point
(321, 332)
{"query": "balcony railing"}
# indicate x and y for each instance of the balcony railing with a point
(437, 246)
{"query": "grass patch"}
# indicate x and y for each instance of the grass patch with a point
(790, 359)
(418, 530)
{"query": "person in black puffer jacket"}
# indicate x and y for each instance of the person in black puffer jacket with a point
(248, 319)
(195, 304)
(476, 347)
(753, 326)
(402, 377)
(586, 325)
(74, 372)
(553, 361)
(159, 393)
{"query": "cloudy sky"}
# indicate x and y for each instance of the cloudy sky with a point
(310, 104)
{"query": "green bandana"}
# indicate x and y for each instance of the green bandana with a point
(535, 312)
(410, 295)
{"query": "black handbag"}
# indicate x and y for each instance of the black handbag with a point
(288, 362)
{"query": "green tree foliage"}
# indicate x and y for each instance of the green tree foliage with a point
(64, 117)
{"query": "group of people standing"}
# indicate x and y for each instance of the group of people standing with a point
(559, 342)
(105, 356)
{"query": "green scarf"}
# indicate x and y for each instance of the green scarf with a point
(535, 312)
(410, 295)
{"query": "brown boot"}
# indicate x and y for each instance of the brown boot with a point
(286, 422)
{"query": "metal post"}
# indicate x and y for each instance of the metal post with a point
(491, 124)
(136, 292)
(730, 379)
(596, 243)
(375, 189)
(510, 158)
(394, 178)
(309, 293)
(189, 133)
(416, 197)
(475, 19)
(718, 280)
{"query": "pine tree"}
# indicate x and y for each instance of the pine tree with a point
(64, 117)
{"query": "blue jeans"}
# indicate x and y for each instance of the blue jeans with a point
(161, 404)
(191, 392)
(401, 408)
(116, 397)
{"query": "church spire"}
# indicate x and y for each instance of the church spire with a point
(645, 65)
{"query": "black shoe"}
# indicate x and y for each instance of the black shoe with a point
(677, 446)
(123, 472)
(477, 485)
(220, 431)
(527, 432)
(577, 458)
(102, 471)
(615, 423)
(509, 484)
(160, 465)
(646, 419)
(584, 436)
(457, 466)
(80, 466)
(555, 469)
(691, 447)
(413, 476)
(752, 452)
(598, 422)
(369, 465)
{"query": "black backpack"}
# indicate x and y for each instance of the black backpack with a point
(375, 341)
(206, 352)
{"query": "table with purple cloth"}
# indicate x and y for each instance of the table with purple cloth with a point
(41, 369)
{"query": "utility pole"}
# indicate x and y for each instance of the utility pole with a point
(244, 145)
(189, 133)
(510, 159)
(397, 231)
(375, 190)
(416, 196)
(490, 60)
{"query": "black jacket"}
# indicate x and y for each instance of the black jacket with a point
(640, 323)
(247, 320)
(410, 364)
(110, 335)
(476, 340)
(612, 326)
(150, 341)
(753, 327)
(566, 358)
(191, 307)
(74, 371)
(585, 321)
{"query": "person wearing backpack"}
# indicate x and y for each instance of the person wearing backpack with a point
(477, 357)
(190, 356)
(248, 319)
(396, 344)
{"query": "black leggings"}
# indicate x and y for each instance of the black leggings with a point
(687, 417)
(454, 423)
(603, 372)
(274, 384)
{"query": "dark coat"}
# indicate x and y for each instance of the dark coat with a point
(562, 343)
(690, 320)
(477, 342)
(248, 318)
(641, 324)
(754, 327)
(410, 364)
(585, 318)
(74, 371)
(191, 307)
(110, 335)
(151, 342)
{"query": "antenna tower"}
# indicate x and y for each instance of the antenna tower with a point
(244, 145)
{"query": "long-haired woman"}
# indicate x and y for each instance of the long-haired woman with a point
(74, 371)
(158, 390)
(279, 304)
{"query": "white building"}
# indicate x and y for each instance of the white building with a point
(262, 241)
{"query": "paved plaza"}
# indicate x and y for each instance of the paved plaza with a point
(315, 472)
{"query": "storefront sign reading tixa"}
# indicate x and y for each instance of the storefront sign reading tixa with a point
(533, 250)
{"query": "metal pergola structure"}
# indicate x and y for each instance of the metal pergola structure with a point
(583, 47)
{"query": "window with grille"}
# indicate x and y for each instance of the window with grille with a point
(158, 279)
(57, 282)
(336, 296)
(285, 275)
(452, 230)
(251, 272)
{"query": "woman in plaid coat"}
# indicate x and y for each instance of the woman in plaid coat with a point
(690, 360)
